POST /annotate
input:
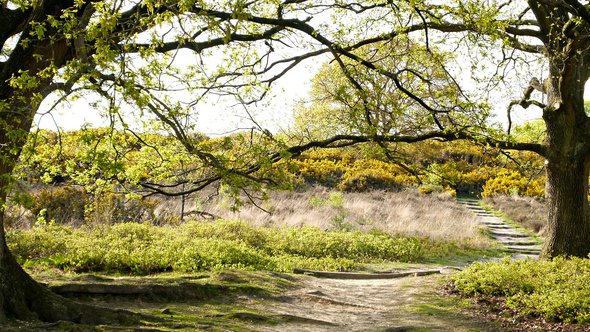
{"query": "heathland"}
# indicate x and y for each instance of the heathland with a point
(86, 218)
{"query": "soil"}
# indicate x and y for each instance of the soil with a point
(286, 302)
(406, 304)
(231, 301)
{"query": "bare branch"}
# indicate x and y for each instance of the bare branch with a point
(525, 102)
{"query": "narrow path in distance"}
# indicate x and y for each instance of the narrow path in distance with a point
(356, 302)
(515, 241)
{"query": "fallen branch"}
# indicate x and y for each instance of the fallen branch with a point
(362, 276)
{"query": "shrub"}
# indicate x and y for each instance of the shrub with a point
(106, 207)
(428, 189)
(363, 179)
(325, 172)
(508, 182)
(557, 289)
(343, 170)
(62, 205)
(143, 248)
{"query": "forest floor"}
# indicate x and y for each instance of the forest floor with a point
(264, 301)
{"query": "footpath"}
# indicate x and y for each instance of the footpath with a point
(395, 301)
(516, 241)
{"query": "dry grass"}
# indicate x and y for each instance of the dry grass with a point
(530, 212)
(408, 213)
(437, 217)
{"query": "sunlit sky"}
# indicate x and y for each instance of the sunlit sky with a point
(215, 118)
(274, 114)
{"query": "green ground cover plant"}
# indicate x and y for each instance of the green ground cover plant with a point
(555, 290)
(143, 248)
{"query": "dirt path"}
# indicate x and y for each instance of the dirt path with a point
(405, 304)
(414, 303)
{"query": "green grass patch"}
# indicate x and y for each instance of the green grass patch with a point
(143, 248)
(556, 290)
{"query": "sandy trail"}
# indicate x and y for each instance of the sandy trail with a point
(367, 305)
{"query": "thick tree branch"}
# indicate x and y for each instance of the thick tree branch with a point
(189, 43)
(543, 18)
(338, 141)
(579, 10)
(526, 101)
(13, 22)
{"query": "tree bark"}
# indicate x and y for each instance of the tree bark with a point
(23, 298)
(568, 158)
(568, 223)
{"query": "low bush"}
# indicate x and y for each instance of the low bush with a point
(557, 290)
(143, 248)
(107, 207)
(508, 182)
(62, 205)
(361, 179)
(69, 205)
(344, 170)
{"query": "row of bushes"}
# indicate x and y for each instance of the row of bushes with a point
(84, 157)
(353, 175)
(143, 248)
(556, 290)
(342, 170)
(74, 206)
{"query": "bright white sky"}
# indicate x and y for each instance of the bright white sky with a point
(275, 115)
(213, 119)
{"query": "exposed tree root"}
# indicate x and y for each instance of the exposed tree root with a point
(22, 298)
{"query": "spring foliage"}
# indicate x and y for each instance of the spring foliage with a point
(556, 290)
(143, 248)
(94, 175)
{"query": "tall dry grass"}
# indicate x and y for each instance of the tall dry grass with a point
(409, 213)
(529, 212)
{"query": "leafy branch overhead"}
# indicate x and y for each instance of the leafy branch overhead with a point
(401, 71)
(129, 53)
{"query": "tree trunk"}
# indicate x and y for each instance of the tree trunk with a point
(23, 298)
(568, 158)
(568, 224)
